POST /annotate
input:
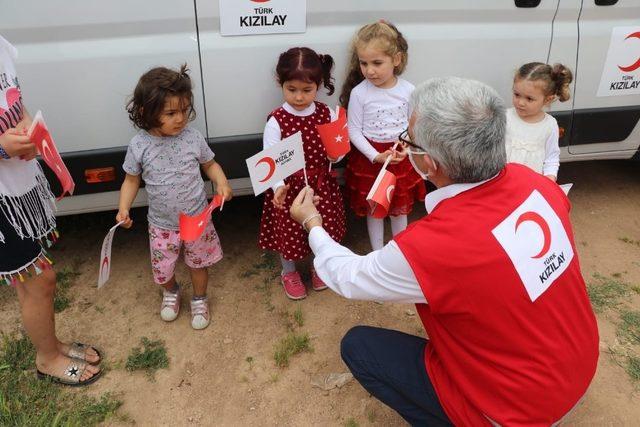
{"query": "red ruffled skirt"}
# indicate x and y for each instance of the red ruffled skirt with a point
(361, 173)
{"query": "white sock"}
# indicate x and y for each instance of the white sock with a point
(375, 226)
(287, 266)
(398, 223)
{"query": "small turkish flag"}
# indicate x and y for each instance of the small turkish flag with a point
(381, 194)
(335, 135)
(40, 136)
(192, 227)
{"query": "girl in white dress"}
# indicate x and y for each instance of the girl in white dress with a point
(532, 135)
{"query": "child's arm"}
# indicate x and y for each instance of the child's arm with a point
(128, 193)
(552, 156)
(215, 173)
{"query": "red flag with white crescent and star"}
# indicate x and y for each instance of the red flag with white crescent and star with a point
(381, 194)
(335, 135)
(40, 136)
(192, 227)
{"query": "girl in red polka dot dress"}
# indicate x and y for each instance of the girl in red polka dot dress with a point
(300, 72)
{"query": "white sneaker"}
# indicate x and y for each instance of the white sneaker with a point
(200, 313)
(170, 305)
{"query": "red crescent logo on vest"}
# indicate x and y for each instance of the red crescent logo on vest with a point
(272, 167)
(635, 65)
(546, 232)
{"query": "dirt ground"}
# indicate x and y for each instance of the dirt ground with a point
(226, 374)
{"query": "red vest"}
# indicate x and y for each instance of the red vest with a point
(513, 338)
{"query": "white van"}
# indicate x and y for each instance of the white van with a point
(80, 59)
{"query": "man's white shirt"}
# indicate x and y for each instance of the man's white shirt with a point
(383, 275)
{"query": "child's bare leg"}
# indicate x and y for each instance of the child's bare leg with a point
(36, 303)
(199, 280)
(171, 284)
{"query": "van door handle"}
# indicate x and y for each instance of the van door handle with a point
(527, 3)
(606, 2)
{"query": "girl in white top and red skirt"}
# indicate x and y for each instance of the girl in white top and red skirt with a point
(377, 103)
(300, 72)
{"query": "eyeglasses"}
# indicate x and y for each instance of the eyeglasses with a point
(406, 140)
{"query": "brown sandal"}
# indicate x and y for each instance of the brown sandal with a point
(71, 375)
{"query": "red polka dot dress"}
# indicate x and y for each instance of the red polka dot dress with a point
(280, 233)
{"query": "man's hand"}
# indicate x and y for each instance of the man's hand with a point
(304, 207)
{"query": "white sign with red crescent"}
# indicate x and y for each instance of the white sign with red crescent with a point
(105, 256)
(276, 163)
(621, 71)
(536, 242)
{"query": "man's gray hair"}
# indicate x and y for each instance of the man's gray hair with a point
(461, 124)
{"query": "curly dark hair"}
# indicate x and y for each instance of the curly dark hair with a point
(154, 87)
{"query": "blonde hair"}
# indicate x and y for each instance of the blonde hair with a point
(382, 35)
(556, 78)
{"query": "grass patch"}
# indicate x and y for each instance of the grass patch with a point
(629, 326)
(351, 423)
(27, 401)
(298, 317)
(636, 289)
(629, 241)
(633, 367)
(268, 265)
(606, 292)
(289, 346)
(64, 280)
(292, 321)
(151, 356)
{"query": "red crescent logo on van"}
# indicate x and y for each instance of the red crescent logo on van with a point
(546, 231)
(635, 65)
(260, 1)
(272, 167)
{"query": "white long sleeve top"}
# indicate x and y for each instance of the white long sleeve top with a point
(377, 114)
(382, 275)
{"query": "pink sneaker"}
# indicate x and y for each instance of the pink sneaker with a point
(170, 305)
(293, 286)
(199, 313)
(316, 282)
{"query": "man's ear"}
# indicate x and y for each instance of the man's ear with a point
(431, 163)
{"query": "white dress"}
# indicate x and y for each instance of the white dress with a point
(533, 144)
